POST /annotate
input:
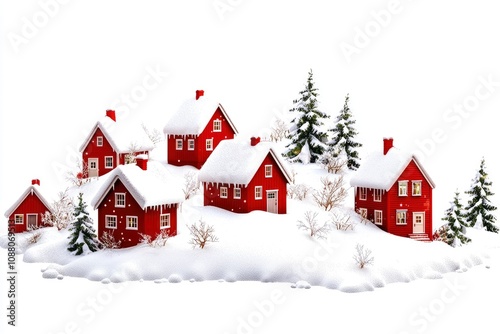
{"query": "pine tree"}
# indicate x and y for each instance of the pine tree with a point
(306, 132)
(456, 224)
(479, 206)
(83, 234)
(343, 144)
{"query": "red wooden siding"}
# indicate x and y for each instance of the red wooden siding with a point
(30, 205)
(99, 152)
(148, 220)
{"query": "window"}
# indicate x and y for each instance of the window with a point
(93, 164)
(100, 141)
(258, 192)
(269, 170)
(217, 125)
(165, 221)
(223, 192)
(190, 144)
(237, 193)
(19, 219)
(111, 222)
(401, 217)
(209, 144)
(362, 194)
(178, 144)
(416, 187)
(378, 217)
(108, 162)
(132, 223)
(377, 195)
(363, 212)
(403, 188)
(120, 200)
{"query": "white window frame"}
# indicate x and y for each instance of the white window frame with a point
(378, 220)
(363, 193)
(130, 221)
(237, 193)
(209, 144)
(18, 216)
(179, 144)
(100, 141)
(413, 183)
(117, 200)
(258, 192)
(167, 216)
(402, 188)
(106, 162)
(217, 125)
(107, 221)
(363, 212)
(268, 171)
(377, 195)
(223, 192)
(405, 217)
(190, 144)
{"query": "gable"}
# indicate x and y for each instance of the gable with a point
(32, 190)
(226, 123)
(414, 172)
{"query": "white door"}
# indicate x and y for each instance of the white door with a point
(93, 167)
(418, 222)
(32, 220)
(272, 201)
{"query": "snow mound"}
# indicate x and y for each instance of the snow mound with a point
(301, 285)
(174, 278)
(50, 273)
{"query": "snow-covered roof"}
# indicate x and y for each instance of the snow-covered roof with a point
(193, 116)
(32, 189)
(236, 161)
(121, 136)
(152, 187)
(379, 171)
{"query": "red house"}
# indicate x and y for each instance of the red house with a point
(110, 143)
(195, 130)
(136, 199)
(393, 190)
(242, 176)
(26, 213)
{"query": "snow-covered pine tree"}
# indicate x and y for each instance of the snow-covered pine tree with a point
(343, 142)
(83, 235)
(307, 133)
(456, 224)
(479, 207)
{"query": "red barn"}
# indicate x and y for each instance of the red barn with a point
(195, 130)
(135, 199)
(242, 176)
(110, 142)
(393, 190)
(27, 211)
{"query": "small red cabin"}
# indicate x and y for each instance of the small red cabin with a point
(136, 199)
(393, 190)
(195, 130)
(26, 213)
(242, 176)
(110, 143)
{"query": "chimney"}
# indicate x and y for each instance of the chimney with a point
(199, 93)
(142, 161)
(111, 114)
(35, 181)
(254, 141)
(387, 145)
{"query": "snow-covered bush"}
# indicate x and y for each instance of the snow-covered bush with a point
(160, 240)
(298, 191)
(201, 234)
(332, 194)
(333, 163)
(279, 130)
(108, 241)
(80, 176)
(311, 225)
(441, 234)
(342, 222)
(34, 235)
(62, 212)
(363, 256)
(191, 184)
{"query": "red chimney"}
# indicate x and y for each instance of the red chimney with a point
(387, 145)
(35, 181)
(254, 141)
(111, 114)
(199, 93)
(142, 161)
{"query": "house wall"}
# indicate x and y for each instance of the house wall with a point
(100, 152)
(31, 205)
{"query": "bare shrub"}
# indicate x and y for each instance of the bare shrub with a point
(131, 156)
(62, 212)
(160, 240)
(34, 235)
(363, 256)
(191, 184)
(441, 234)
(312, 226)
(332, 194)
(108, 241)
(342, 222)
(333, 163)
(80, 176)
(362, 215)
(298, 191)
(201, 234)
(155, 135)
(279, 130)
